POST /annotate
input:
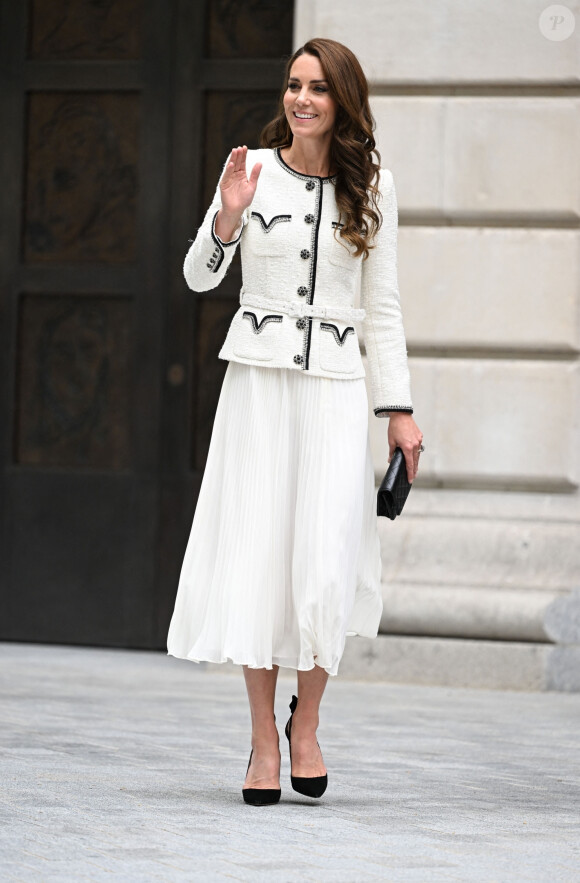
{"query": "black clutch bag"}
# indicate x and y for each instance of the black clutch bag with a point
(394, 488)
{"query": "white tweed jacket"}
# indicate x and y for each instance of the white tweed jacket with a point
(300, 283)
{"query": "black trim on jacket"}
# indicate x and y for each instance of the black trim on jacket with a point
(300, 175)
(340, 338)
(403, 408)
(216, 264)
(275, 220)
(312, 275)
(258, 327)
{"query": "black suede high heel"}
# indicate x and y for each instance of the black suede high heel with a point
(310, 786)
(260, 796)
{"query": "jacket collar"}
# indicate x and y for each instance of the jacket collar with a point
(291, 171)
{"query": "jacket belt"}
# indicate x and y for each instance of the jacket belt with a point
(312, 311)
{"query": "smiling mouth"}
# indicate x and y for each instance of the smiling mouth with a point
(305, 116)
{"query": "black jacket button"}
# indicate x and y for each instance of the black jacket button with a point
(305, 254)
(298, 359)
(309, 219)
(310, 185)
(301, 323)
(302, 291)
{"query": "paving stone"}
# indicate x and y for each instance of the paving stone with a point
(127, 766)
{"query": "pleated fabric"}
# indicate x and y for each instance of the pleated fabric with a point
(283, 559)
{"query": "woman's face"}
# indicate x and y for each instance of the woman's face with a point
(310, 108)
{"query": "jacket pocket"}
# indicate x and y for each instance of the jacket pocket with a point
(257, 336)
(339, 350)
(268, 235)
(341, 251)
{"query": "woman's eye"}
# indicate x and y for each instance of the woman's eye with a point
(294, 87)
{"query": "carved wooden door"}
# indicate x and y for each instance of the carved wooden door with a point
(116, 119)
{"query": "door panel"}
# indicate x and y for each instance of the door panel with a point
(117, 121)
(73, 379)
(85, 30)
(84, 103)
(81, 177)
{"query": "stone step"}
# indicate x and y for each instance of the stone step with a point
(484, 613)
(457, 662)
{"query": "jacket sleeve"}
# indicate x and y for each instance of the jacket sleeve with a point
(209, 257)
(383, 332)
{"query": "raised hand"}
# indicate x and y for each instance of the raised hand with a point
(237, 192)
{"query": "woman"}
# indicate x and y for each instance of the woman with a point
(283, 560)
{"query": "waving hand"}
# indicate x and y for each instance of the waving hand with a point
(237, 192)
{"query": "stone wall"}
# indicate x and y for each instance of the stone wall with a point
(478, 117)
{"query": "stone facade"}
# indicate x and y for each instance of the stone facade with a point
(478, 118)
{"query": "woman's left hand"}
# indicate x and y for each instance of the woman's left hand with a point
(405, 434)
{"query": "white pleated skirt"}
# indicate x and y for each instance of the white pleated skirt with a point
(283, 559)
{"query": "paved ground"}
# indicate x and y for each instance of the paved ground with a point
(120, 765)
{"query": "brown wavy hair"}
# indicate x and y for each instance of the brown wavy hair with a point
(353, 146)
